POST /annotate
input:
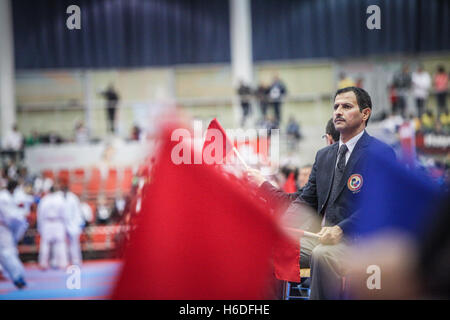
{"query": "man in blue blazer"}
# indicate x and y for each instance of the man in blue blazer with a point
(333, 190)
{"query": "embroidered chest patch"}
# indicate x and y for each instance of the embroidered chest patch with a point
(355, 182)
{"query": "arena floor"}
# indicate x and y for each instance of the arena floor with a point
(97, 279)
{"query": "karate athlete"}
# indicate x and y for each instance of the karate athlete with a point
(12, 227)
(74, 223)
(52, 229)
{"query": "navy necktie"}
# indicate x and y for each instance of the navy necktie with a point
(338, 173)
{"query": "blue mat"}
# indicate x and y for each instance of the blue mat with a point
(97, 278)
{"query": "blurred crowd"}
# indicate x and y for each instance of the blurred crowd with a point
(42, 212)
(267, 97)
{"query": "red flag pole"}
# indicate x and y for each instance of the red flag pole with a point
(303, 233)
(240, 158)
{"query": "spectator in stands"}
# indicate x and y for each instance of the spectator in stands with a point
(444, 119)
(112, 99)
(293, 128)
(441, 88)
(42, 184)
(32, 139)
(13, 143)
(3, 178)
(135, 133)
(52, 138)
(86, 212)
(13, 140)
(103, 212)
(277, 92)
(269, 124)
(303, 177)
(393, 98)
(262, 96)
(81, 133)
(359, 82)
(345, 81)
(331, 134)
(421, 82)
(117, 209)
(245, 93)
(11, 169)
(402, 83)
(293, 132)
(427, 121)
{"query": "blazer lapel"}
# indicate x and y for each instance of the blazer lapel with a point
(329, 170)
(360, 146)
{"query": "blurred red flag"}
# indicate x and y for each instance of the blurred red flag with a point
(200, 235)
(286, 254)
(290, 186)
(216, 137)
(286, 257)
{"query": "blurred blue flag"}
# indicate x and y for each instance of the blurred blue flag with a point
(395, 197)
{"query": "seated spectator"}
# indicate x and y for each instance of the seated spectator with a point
(103, 212)
(441, 88)
(3, 178)
(428, 120)
(32, 139)
(42, 185)
(52, 138)
(303, 177)
(345, 81)
(331, 134)
(293, 129)
(13, 140)
(269, 124)
(81, 133)
(136, 133)
(444, 119)
(86, 212)
(118, 209)
(11, 169)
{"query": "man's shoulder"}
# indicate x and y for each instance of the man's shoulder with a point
(326, 150)
(377, 142)
(379, 147)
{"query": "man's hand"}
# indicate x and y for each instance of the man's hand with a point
(255, 176)
(330, 235)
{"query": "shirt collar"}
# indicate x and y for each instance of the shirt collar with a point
(352, 142)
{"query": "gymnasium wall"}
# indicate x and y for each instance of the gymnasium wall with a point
(55, 100)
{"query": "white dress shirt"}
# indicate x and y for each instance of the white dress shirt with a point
(350, 145)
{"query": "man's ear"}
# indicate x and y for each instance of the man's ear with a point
(329, 139)
(366, 113)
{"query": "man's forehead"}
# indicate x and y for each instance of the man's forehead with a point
(344, 97)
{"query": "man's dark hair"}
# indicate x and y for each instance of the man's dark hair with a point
(12, 185)
(362, 98)
(331, 130)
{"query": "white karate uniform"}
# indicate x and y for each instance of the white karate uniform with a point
(12, 226)
(74, 225)
(24, 201)
(52, 228)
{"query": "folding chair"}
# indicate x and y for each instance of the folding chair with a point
(296, 291)
(127, 180)
(48, 174)
(111, 182)
(64, 175)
